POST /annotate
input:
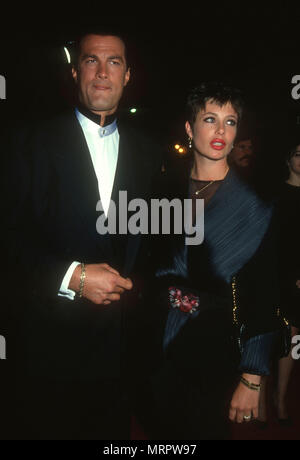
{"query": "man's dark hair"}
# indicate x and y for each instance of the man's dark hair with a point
(74, 45)
(217, 92)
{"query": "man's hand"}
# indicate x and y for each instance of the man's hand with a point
(102, 283)
(245, 401)
(298, 284)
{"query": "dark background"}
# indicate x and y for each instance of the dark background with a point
(173, 48)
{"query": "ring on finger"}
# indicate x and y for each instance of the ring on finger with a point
(247, 417)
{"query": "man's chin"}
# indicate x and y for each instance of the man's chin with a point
(99, 105)
(244, 163)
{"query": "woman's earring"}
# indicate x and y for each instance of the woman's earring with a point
(190, 142)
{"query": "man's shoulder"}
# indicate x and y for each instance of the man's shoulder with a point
(144, 141)
(54, 124)
(141, 129)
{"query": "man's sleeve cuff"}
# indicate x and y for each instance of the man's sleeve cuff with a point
(64, 290)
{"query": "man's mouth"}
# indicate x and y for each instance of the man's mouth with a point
(101, 87)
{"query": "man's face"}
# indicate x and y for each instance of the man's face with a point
(102, 73)
(242, 153)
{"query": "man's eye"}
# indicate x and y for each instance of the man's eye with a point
(115, 62)
(90, 61)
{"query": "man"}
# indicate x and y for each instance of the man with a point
(243, 157)
(76, 283)
(242, 153)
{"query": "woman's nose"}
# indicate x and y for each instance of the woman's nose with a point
(220, 128)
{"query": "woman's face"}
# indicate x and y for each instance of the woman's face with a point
(214, 131)
(294, 163)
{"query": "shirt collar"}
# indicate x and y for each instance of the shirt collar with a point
(109, 119)
(91, 122)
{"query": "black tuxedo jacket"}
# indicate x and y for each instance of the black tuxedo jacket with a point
(52, 222)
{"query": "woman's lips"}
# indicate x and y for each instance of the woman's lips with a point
(218, 144)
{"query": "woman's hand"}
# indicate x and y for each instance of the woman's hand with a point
(298, 284)
(245, 401)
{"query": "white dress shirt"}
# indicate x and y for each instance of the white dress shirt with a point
(103, 144)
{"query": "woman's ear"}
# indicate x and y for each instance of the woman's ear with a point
(188, 129)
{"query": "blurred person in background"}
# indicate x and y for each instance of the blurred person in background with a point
(289, 214)
(242, 157)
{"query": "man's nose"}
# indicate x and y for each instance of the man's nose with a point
(247, 150)
(101, 70)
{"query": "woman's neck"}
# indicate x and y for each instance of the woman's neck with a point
(294, 179)
(208, 170)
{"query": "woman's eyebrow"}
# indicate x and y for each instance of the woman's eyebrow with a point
(216, 114)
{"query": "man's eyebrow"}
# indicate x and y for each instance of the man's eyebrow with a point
(94, 56)
(120, 58)
(86, 56)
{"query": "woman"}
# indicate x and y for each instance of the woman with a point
(216, 290)
(289, 205)
(290, 228)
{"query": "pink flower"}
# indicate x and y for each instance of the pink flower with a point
(187, 303)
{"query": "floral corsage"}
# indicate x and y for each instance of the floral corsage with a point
(187, 303)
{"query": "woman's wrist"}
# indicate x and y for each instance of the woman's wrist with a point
(256, 379)
(253, 384)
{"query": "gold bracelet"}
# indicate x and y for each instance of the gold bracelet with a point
(250, 385)
(82, 279)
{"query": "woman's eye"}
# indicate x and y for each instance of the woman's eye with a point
(209, 119)
(231, 122)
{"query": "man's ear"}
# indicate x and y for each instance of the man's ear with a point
(127, 76)
(74, 74)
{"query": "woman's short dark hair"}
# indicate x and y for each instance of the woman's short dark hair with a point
(217, 92)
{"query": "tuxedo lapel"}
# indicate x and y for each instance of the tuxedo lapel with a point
(81, 180)
(129, 178)
(81, 185)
